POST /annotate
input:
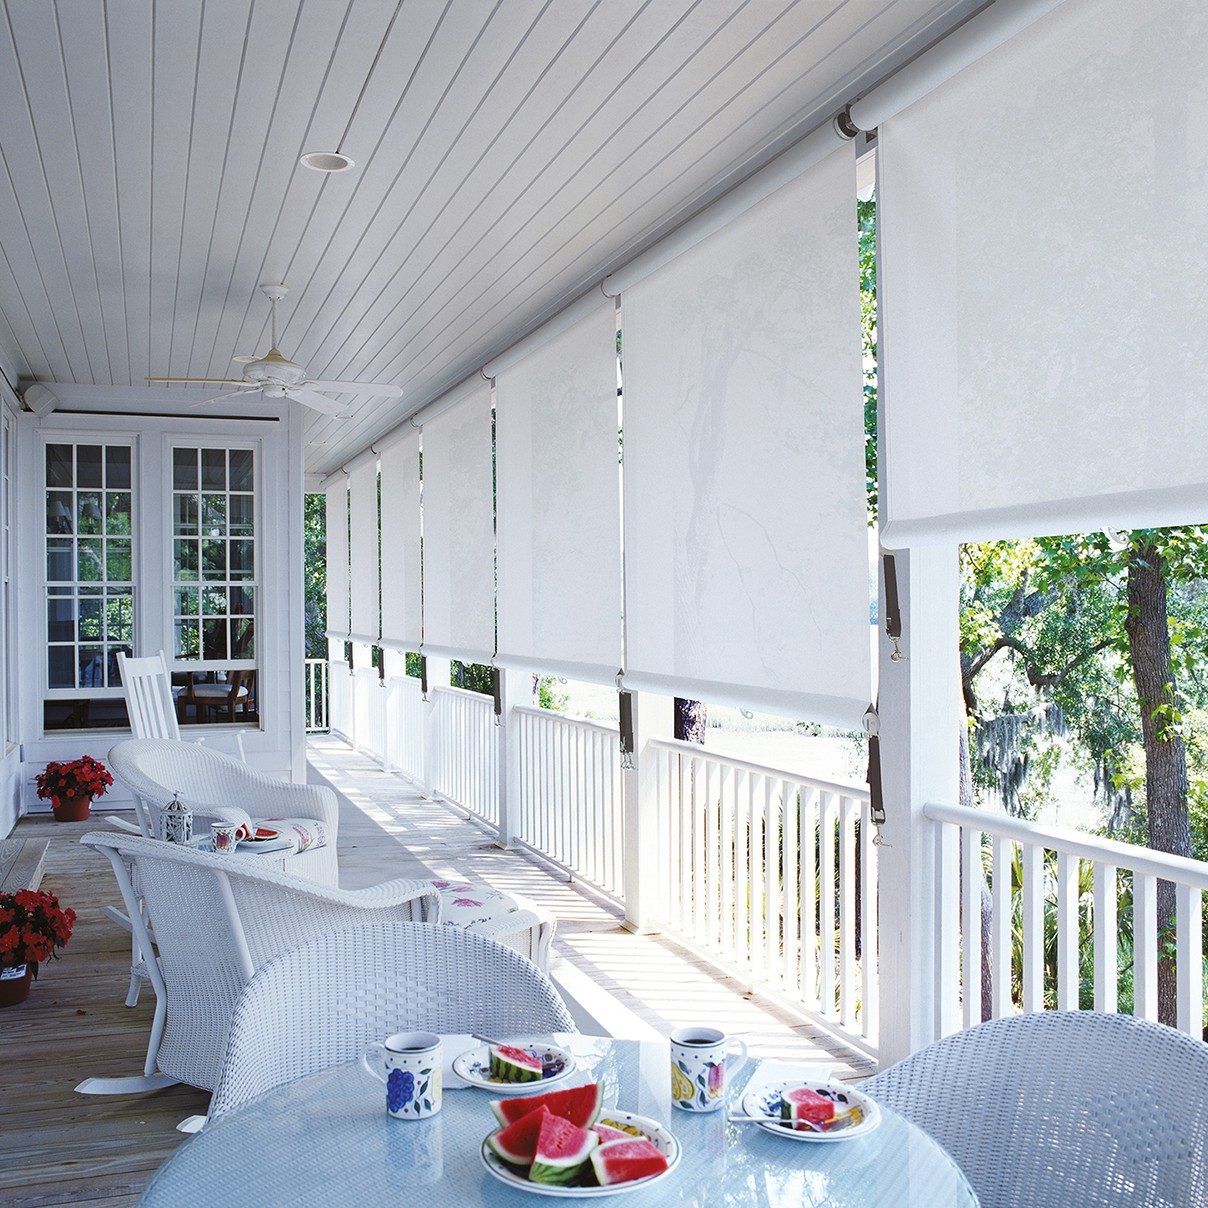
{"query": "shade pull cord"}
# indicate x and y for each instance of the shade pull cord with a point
(625, 726)
(893, 609)
(876, 793)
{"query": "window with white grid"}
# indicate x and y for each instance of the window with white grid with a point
(214, 555)
(89, 565)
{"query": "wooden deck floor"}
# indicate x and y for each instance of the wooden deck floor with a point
(59, 1147)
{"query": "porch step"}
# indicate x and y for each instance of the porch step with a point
(21, 863)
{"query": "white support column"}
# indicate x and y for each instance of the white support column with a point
(516, 688)
(653, 717)
(438, 677)
(920, 720)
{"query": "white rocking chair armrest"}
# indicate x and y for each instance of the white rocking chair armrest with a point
(505, 926)
(269, 798)
(385, 896)
(122, 824)
(205, 816)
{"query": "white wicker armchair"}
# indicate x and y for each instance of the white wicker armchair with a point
(1059, 1108)
(217, 920)
(221, 789)
(324, 1003)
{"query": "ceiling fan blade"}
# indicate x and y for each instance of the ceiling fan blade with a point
(378, 388)
(243, 360)
(219, 398)
(203, 381)
(308, 398)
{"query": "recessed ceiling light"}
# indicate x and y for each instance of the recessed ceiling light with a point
(326, 161)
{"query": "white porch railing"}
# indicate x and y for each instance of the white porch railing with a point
(404, 726)
(1059, 889)
(465, 751)
(339, 700)
(570, 795)
(774, 875)
(369, 705)
(316, 695)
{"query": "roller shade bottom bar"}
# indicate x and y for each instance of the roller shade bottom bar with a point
(846, 713)
(585, 673)
(461, 654)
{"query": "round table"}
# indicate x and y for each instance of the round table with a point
(326, 1140)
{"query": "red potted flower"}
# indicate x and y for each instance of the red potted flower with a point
(70, 787)
(32, 926)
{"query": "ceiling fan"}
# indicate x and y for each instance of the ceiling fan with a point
(275, 376)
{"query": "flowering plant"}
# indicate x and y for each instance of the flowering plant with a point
(32, 926)
(83, 777)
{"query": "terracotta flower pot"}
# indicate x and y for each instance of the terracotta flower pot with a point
(71, 809)
(14, 984)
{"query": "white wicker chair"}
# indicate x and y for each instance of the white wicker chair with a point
(1063, 1108)
(217, 920)
(219, 788)
(324, 1003)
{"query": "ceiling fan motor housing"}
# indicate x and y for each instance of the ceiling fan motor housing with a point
(273, 369)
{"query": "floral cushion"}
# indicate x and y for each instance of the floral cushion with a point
(302, 833)
(463, 903)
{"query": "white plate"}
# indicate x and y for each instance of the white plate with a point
(474, 1067)
(651, 1129)
(764, 1100)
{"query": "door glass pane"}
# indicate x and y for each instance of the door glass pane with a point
(213, 470)
(213, 515)
(184, 514)
(119, 618)
(184, 469)
(117, 467)
(117, 561)
(241, 560)
(90, 619)
(213, 560)
(89, 567)
(88, 511)
(59, 461)
(214, 640)
(184, 558)
(88, 466)
(240, 515)
(187, 643)
(92, 666)
(117, 512)
(59, 560)
(241, 470)
(60, 619)
(60, 512)
(60, 666)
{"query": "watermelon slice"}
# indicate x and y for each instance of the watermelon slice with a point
(607, 1133)
(513, 1064)
(563, 1150)
(807, 1106)
(517, 1143)
(578, 1104)
(627, 1160)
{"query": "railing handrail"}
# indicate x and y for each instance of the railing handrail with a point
(453, 690)
(857, 792)
(555, 716)
(1129, 856)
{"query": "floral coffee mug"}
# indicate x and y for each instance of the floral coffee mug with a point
(700, 1067)
(225, 837)
(412, 1065)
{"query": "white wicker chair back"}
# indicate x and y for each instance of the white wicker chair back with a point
(1060, 1108)
(217, 919)
(324, 1003)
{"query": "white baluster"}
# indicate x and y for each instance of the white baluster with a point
(1002, 851)
(1145, 946)
(971, 932)
(1189, 959)
(1067, 932)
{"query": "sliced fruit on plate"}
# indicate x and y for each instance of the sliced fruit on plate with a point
(607, 1133)
(578, 1104)
(627, 1160)
(563, 1149)
(517, 1143)
(807, 1106)
(514, 1064)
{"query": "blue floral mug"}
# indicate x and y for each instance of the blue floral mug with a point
(409, 1063)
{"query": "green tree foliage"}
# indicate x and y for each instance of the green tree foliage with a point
(866, 217)
(314, 574)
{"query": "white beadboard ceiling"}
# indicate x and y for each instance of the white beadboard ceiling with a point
(507, 153)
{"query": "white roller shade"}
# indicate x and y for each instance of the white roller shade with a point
(402, 625)
(1044, 225)
(363, 553)
(337, 560)
(559, 504)
(459, 530)
(746, 546)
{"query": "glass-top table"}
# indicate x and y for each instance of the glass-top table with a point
(326, 1140)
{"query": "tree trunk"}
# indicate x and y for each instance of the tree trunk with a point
(691, 717)
(1148, 628)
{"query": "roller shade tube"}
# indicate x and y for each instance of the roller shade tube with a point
(965, 45)
(462, 655)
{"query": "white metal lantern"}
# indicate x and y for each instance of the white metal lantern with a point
(177, 821)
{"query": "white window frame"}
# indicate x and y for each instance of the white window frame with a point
(117, 439)
(253, 445)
